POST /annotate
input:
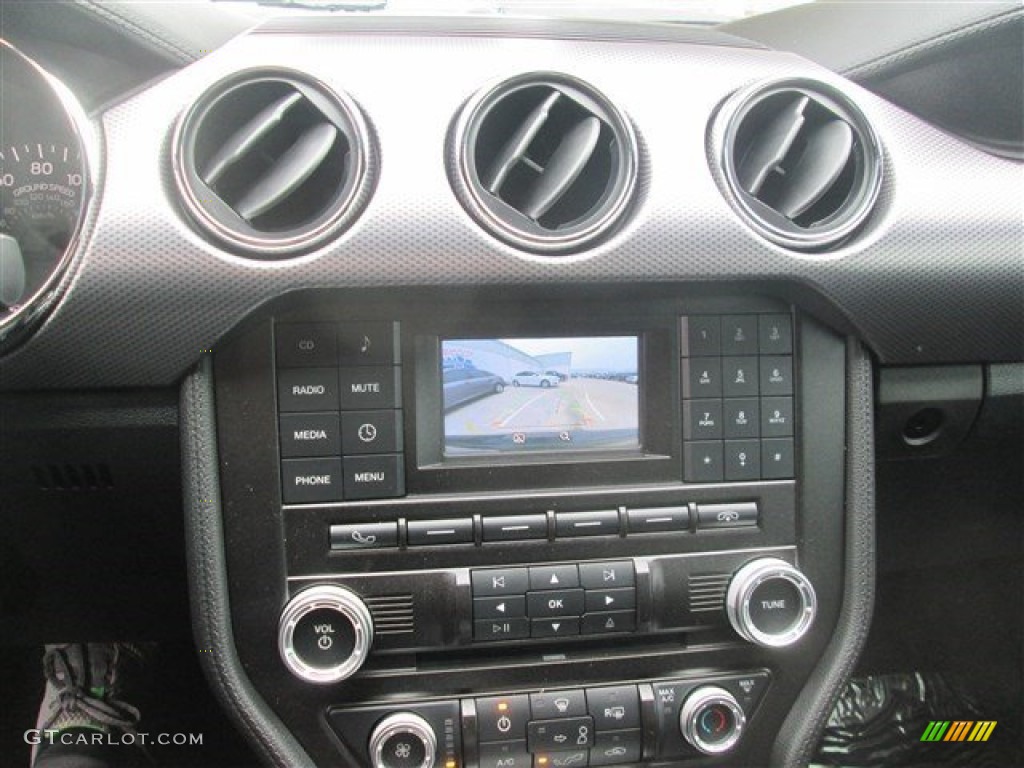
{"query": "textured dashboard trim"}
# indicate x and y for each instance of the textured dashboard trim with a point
(802, 729)
(208, 579)
(936, 275)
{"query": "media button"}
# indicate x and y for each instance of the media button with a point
(305, 345)
(308, 481)
(364, 536)
(500, 581)
(607, 575)
(564, 602)
(309, 434)
(307, 389)
(374, 477)
(371, 432)
(502, 718)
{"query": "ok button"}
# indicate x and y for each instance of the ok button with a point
(563, 602)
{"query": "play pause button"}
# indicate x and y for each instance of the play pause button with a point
(610, 600)
(560, 627)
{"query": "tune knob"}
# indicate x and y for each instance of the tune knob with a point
(325, 634)
(403, 740)
(770, 603)
(711, 720)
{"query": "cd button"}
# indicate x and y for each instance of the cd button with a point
(307, 345)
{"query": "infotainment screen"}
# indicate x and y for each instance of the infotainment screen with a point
(505, 396)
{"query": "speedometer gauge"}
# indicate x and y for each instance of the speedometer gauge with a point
(43, 183)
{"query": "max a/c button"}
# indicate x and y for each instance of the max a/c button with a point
(739, 515)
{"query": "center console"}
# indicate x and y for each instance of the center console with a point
(508, 529)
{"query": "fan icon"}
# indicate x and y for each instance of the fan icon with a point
(402, 751)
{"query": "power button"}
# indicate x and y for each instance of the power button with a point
(502, 718)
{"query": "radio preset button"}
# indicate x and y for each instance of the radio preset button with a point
(607, 575)
(515, 528)
(775, 335)
(776, 417)
(308, 481)
(309, 434)
(598, 523)
(614, 708)
(554, 576)
(562, 626)
(308, 345)
(702, 377)
(701, 336)
(547, 706)
(742, 417)
(610, 599)
(739, 376)
(612, 621)
(500, 581)
(739, 335)
(432, 532)
(777, 375)
(511, 607)
(565, 602)
(502, 718)
(702, 419)
(739, 515)
(364, 536)
(307, 389)
(658, 519)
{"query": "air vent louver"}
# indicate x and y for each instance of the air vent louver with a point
(802, 162)
(273, 164)
(545, 162)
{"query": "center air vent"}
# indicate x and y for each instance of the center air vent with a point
(545, 162)
(802, 162)
(273, 164)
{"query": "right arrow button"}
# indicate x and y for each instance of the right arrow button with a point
(610, 599)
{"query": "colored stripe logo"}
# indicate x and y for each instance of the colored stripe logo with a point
(958, 730)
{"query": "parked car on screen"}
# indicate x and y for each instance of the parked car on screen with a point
(534, 379)
(464, 384)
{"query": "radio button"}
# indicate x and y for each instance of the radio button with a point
(598, 523)
(305, 345)
(554, 576)
(307, 389)
(739, 335)
(309, 434)
(777, 458)
(371, 432)
(369, 389)
(658, 519)
(775, 335)
(607, 575)
(308, 481)
(702, 419)
(502, 718)
(547, 706)
(374, 477)
(614, 708)
(501, 629)
(617, 748)
(610, 599)
(511, 607)
(739, 376)
(500, 581)
(613, 621)
(424, 533)
(740, 515)
(515, 528)
(703, 462)
(364, 536)
(702, 377)
(563, 626)
(565, 602)
(701, 335)
(742, 460)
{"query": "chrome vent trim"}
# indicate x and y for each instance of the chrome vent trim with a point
(800, 161)
(706, 592)
(392, 614)
(273, 163)
(544, 162)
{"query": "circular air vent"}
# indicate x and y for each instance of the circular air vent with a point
(273, 164)
(544, 162)
(801, 161)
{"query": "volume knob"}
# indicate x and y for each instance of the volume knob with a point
(771, 603)
(324, 634)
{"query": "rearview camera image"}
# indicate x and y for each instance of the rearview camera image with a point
(541, 394)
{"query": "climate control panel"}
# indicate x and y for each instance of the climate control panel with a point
(607, 725)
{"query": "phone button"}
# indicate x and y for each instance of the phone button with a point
(365, 536)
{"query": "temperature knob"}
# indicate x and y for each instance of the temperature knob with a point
(325, 634)
(403, 740)
(711, 720)
(770, 603)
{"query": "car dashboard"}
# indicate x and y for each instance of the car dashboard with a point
(683, 270)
